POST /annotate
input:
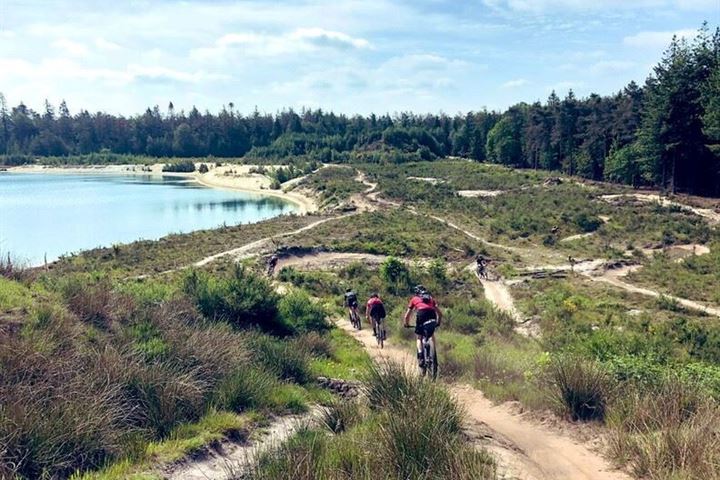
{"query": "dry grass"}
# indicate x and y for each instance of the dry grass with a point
(671, 432)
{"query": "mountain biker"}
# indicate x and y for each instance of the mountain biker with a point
(481, 265)
(351, 302)
(427, 317)
(374, 311)
(272, 263)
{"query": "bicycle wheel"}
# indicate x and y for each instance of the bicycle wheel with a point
(380, 332)
(434, 365)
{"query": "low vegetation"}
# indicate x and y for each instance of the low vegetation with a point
(404, 428)
(95, 373)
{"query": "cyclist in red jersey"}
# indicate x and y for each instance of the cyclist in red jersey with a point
(427, 317)
(374, 310)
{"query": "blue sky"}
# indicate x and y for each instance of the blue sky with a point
(355, 56)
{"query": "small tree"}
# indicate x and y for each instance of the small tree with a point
(203, 168)
(395, 275)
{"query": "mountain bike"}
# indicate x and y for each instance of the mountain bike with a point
(429, 355)
(355, 318)
(379, 329)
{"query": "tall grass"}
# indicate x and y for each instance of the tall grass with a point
(670, 431)
(407, 428)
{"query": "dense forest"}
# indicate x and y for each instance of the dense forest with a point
(665, 133)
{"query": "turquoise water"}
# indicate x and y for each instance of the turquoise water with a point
(49, 214)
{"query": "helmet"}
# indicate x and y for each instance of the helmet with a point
(348, 290)
(374, 295)
(419, 289)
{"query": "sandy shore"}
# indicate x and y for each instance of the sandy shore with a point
(231, 177)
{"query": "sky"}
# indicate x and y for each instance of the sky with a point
(348, 56)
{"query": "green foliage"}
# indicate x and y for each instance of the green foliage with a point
(301, 314)
(242, 299)
(395, 275)
(182, 166)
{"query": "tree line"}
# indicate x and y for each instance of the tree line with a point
(665, 133)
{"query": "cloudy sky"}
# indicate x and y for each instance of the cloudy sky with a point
(351, 56)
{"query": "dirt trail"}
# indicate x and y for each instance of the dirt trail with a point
(326, 260)
(613, 277)
(712, 216)
(228, 459)
(252, 248)
(524, 449)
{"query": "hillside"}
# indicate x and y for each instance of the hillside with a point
(596, 333)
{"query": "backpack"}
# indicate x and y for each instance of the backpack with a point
(426, 298)
(377, 310)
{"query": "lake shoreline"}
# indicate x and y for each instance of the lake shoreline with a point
(228, 177)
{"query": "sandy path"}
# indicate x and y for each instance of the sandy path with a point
(579, 236)
(228, 459)
(253, 248)
(480, 193)
(712, 216)
(613, 277)
(328, 260)
(524, 449)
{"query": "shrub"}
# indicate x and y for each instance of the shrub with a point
(395, 275)
(246, 387)
(90, 301)
(282, 358)
(183, 166)
(580, 387)
(587, 223)
(203, 168)
(341, 416)
(316, 344)
(243, 299)
(301, 314)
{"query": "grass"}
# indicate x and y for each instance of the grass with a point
(385, 436)
(348, 359)
(182, 441)
(334, 184)
(695, 278)
(173, 251)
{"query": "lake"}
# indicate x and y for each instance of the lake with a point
(55, 214)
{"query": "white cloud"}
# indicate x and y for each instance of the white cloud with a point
(656, 40)
(610, 67)
(70, 47)
(517, 83)
(264, 45)
(328, 38)
(106, 45)
(562, 88)
(700, 5)
(539, 6)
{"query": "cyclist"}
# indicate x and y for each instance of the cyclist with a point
(427, 317)
(481, 265)
(351, 302)
(375, 311)
(272, 263)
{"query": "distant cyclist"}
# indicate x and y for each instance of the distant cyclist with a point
(351, 302)
(375, 311)
(272, 263)
(481, 266)
(427, 317)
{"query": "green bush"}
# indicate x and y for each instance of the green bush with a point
(243, 299)
(182, 166)
(301, 314)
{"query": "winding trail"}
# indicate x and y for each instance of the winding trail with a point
(524, 449)
(712, 216)
(228, 458)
